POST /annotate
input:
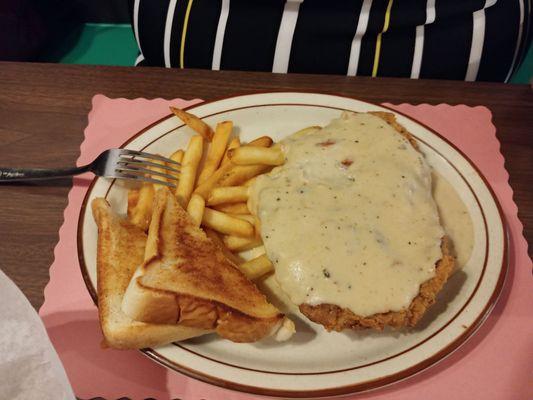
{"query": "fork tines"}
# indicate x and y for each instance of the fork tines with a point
(131, 165)
(142, 178)
(142, 163)
(134, 153)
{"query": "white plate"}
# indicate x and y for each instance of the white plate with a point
(316, 363)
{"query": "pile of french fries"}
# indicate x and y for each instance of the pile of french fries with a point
(215, 193)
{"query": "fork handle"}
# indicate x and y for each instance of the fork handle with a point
(27, 174)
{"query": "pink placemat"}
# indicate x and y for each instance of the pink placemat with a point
(497, 363)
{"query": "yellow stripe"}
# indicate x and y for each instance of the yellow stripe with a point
(376, 56)
(378, 40)
(184, 34)
(387, 17)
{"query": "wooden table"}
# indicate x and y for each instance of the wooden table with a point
(43, 111)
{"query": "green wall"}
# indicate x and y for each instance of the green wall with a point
(114, 44)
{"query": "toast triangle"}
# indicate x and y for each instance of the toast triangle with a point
(187, 280)
(121, 249)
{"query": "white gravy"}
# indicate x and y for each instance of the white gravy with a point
(455, 219)
(349, 219)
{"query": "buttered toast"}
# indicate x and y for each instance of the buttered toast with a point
(187, 280)
(121, 249)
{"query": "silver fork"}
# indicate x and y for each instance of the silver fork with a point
(113, 163)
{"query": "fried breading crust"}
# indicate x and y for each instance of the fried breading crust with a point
(336, 318)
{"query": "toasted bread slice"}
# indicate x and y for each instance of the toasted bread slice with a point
(337, 318)
(187, 280)
(120, 250)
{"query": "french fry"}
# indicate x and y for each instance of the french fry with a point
(233, 144)
(177, 156)
(189, 168)
(249, 155)
(226, 173)
(250, 182)
(239, 174)
(216, 150)
(253, 220)
(224, 223)
(256, 267)
(247, 217)
(151, 249)
(236, 243)
(250, 204)
(141, 214)
(195, 208)
(233, 208)
(227, 194)
(161, 178)
(262, 141)
(307, 130)
(195, 123)
(133, 199)
(214, 236)
(205, 188)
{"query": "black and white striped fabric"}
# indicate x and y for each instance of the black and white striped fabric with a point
(443, 39)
